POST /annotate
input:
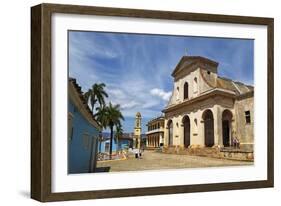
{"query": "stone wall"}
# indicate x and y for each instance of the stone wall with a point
(245, 131)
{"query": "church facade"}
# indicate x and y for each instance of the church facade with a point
(206, 110)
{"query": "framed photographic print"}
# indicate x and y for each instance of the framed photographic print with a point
(130, 102)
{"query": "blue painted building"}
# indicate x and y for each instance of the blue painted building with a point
(83, 132)
(123, 143)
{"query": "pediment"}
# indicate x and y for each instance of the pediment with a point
(190, 62)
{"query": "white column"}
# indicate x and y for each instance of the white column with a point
(217, 126)
(165, 140)
(200, 129)
(181, 134)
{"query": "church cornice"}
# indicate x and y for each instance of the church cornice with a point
(208, 94)
(246, 95)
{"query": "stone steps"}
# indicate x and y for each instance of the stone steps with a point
(225, 153)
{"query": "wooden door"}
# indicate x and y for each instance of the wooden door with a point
(225, 133)
(209, 129)
(170, 133)
(186, 127)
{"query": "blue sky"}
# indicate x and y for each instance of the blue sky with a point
(136, 68)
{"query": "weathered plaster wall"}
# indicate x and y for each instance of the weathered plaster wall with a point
(196, 86)
(245, 131)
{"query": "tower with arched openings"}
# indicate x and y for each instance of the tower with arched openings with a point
(137, 131)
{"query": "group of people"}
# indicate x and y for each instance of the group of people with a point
(235, 141)
(138, 152)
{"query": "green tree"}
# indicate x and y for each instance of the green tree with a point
(109, 116)
(96, 94)
(101, 116)
(118, 135)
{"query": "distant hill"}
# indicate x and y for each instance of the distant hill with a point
(106, 135)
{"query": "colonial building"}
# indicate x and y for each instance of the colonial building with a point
(124, 142)
(137, 131)
(206, 110)
(83, 132)
(155, 132)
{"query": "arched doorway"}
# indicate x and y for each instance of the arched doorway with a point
(186, 131)
(208, 128)
(170, 132)
(226, 127)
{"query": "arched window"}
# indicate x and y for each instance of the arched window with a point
(195, 85)
(185, 91)
(178, 93)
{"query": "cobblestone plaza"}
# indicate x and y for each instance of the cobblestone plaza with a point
(152, 160)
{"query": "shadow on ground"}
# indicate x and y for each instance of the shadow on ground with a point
(24, 193)
(102, 169)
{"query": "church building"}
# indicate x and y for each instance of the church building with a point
(137, 131)
(206, 110)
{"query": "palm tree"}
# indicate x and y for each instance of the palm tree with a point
(96, 94)
(118, 134)
(101, 116)
(109, 116)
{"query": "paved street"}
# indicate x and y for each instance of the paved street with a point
(154, 161)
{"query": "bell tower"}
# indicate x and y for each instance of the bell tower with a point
(137, 131)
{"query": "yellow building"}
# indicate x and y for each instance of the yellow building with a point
(155, 132)
(137, 131)
(206, 110)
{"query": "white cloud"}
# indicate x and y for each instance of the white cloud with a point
(129, 105)
(161, 93)
(136, 69)
(84, 47)
(151, 103)
(116, 93)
